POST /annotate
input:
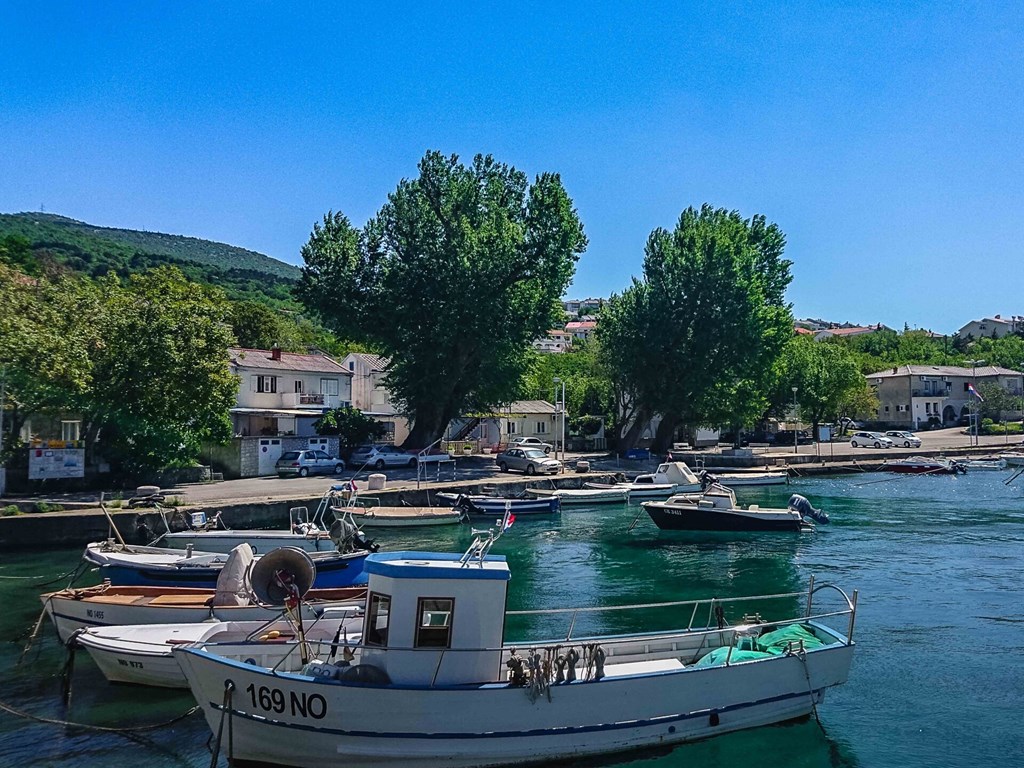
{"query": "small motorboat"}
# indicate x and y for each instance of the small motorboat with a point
(432, 685)
(921, 465)
(1013, 459)
(126, 565)
(402, 517)
(583, 496)
(716, 510)
(735, 479)
(669, 478)
(985, 465)
(142, 654)
(475, 505)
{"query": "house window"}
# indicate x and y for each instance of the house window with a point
(298, 386)
(542, 427)
(377, 614)
(967, 386)
(887, 409)
(328, 386)
(351, 365)
(434, 629)
(927, 407)
(901, 408)
(70, 430)
(511, 428)
(264, 384)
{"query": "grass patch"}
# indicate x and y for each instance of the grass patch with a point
(10, 511)
(45, 506)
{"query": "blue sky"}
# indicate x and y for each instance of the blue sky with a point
(885, 141)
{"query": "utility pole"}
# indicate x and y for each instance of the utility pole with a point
(3, 405)
(796, 433)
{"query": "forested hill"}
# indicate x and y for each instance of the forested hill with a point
(97, 250)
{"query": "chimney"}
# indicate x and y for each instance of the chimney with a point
(275, 352)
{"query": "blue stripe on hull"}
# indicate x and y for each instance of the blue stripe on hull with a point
(345, 573)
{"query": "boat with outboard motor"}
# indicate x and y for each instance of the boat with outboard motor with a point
(1013, 458)
(669, 478)
(715, 509)
(921, 465)
(432, 685)
(475, 505)
(735, 479)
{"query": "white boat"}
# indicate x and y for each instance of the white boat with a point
(436, 684)
(106, 605)
(985, 465)
(734, 479)
(669, 478)
(583, 496)
(142, 653)
(716, 510)
(489, 506)
(402, 517)
(211, 536)
(1013, 459)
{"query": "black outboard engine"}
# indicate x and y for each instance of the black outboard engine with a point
(803, 506)
(707, 480)
(959, 468)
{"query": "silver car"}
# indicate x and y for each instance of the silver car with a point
(869, 439)
(308, 462)
(529, 460)
(380, 456)
(906, 439)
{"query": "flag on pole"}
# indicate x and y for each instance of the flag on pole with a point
(509, 519)
(974, 392)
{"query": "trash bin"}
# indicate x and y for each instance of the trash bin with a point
(376, 482)
(582, 465)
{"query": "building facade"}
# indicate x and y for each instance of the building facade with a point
(992, 327)
(371, 397)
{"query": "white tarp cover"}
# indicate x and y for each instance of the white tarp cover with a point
(231, 588)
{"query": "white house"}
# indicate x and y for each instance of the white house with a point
(555, 342)
(370, 395)
(283, 393)
(523, 418)
(992, 327)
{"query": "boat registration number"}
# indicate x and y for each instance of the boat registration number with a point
(296, 704)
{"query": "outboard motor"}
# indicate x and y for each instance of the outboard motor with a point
(959, 468)
(707, 480)
(800, 504)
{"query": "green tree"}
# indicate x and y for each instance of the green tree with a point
(827, 378)
(451, 280)
(706, 321)
(161, 381)
(257, 326)
(352, 427)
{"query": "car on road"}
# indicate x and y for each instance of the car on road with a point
(906, 439)
(532, 461)
(308, 462)
(381, 456)
(530, 442)
(870, 440)
(785, 437)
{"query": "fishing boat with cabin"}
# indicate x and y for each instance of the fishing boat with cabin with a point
(434, 681)
(669, 478)
(715, 509)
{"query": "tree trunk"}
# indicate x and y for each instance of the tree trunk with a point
(636, 428)
(666, 431)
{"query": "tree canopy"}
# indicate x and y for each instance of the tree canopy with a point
(694, 339)
(452, 279)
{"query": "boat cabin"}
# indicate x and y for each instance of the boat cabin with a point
(669, 473)
(435, 618)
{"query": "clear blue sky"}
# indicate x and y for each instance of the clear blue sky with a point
(885, 139)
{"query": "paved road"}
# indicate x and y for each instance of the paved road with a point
(940, 439)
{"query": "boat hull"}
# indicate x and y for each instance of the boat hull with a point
(483, 505)
(584, 496)
(919, 469)
(687, 518)
(403, 517)
(296, 721)
(260, 541)
(734, 480)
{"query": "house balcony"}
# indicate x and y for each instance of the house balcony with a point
(311, 400)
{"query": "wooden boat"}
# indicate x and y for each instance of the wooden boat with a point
(106, 605)
(438, 685)
(920, 465)
(583, 496)
(141, 654)
(496, 505)
(158, 566)
(716, 510)
(669, 478)
(401, 517)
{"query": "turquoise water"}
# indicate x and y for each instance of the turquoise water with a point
(938, 675)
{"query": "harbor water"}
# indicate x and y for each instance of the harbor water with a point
(937, 678)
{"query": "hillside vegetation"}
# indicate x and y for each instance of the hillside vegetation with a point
(95, 251)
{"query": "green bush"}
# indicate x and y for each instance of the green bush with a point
(1010, 428)
(10, 511)
(45, 506)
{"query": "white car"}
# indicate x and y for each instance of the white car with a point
(869, 440)
(530, 442)
(906, 439)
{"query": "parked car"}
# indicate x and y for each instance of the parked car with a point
(529, 460)
(381, 456)
(530, 442)
(869, 439)
(308, 462)
(785, 437)
(906, 439)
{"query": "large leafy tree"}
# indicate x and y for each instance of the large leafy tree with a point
(706, 321)
(161, 380)
(451, 281)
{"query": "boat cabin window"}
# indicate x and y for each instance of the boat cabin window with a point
(435, 622)
(377, 614)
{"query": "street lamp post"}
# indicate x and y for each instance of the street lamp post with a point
(796, 434)
(560, 410)
(975, 404)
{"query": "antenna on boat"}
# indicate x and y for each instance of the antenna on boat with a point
(483, 539)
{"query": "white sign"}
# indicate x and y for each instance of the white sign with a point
(55, 463)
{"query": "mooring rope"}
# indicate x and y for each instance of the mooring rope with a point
(125, 731)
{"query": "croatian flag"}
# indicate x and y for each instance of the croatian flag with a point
(509, 519)
(974, 392)
(352, 486)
